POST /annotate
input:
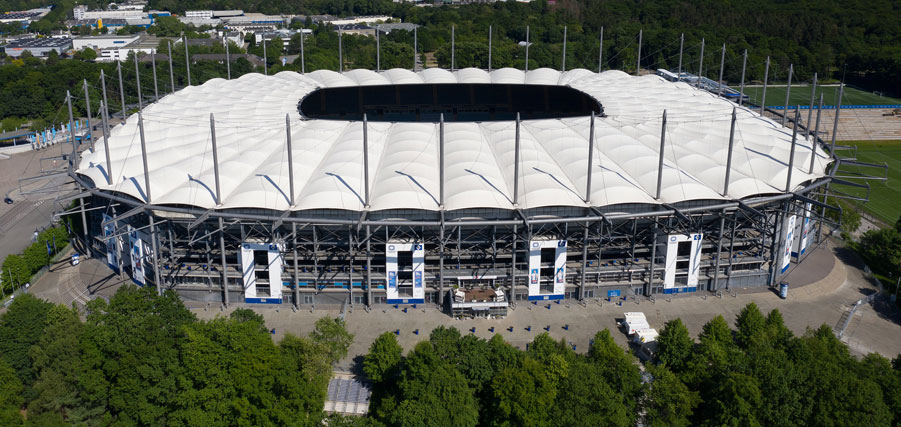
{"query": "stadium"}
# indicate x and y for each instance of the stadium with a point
(469, 189)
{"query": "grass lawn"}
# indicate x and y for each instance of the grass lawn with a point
(885, 196)
(775, 96)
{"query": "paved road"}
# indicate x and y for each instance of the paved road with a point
(29, 212)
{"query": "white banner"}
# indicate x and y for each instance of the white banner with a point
(686, 262)
(112, 244)
(789, 240)
(397, 278)
(273, 267)
(558, 276)
(137, 256)
(802, 229)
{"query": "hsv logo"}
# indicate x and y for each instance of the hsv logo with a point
(535, 244)
(390, 247)
(672, 239)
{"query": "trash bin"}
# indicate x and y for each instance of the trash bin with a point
(783, 290)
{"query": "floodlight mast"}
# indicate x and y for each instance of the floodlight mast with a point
(638, 61)
(590, 159)
(816, 133)
(660, 161)
(741, 90)
(766, 77)
(788, 90)
(681, 45)
(729, 154)
(601, 52)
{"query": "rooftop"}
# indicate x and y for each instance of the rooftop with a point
(41, 42)
(479, 166)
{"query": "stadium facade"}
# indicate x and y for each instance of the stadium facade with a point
(466, 188)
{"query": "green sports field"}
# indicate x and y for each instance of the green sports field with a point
(800, 95)
(885, 196)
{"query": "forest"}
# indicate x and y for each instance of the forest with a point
(757, 374)
(858, 40)
(145, 359)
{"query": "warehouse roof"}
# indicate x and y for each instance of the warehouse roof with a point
(479, 156)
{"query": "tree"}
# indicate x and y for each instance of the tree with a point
(882, 250)
(675, 345)
(735, 398)
(302, 382)
(87, 54)
(140, 331)
(20, 328)
(618, 366)
(585, 398)
(69, 383)
(430, 392)
(716, 330)
(246, 315)
(10, 395)
(749, 323)
(383, 358)
(523, 396)
(669, 402)
(331, 333)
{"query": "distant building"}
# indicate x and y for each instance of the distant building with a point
(98, 43)
(25, 17)
(38, 47)
(253, 22)
(227, 13)
(360, 29)
(254, 60)
(81, 13)
(206, 14)
(355, 20)
(388, 28)
(115, 50)
(284, 34)
(199, 22)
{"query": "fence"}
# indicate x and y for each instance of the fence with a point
(846, 318)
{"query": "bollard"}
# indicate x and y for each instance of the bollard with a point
(416, 331)
(548, 306)
(272, 331)
(473, 329)
(510, 329)
(529, 328)
(547, 328)
(557, 301)
(491, 329)
(397, 332)
(566, 327)
(396, 306)
(405, 309)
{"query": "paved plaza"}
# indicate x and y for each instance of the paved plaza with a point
(824, 287)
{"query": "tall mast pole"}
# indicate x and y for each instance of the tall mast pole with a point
(638, 61)
(681, 45)
(741, 90)
(601, 52)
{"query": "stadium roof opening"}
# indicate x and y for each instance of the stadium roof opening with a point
(459, 102)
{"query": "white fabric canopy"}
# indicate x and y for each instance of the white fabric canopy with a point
(479, 163)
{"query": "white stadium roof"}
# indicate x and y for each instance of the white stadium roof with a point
(479, 156)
